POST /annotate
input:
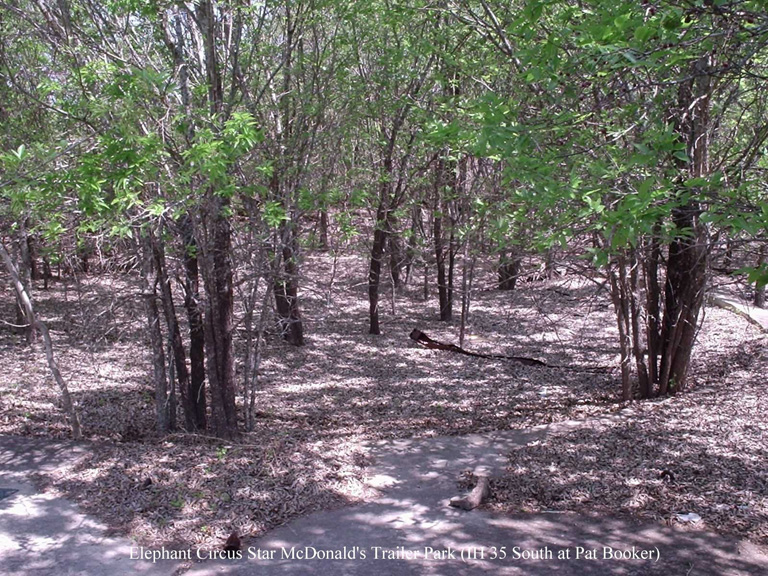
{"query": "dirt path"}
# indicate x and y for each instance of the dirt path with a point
(756, 316)
(42, 534)
(407, 529)
(410, 529)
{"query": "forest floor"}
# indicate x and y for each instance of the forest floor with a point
(319, 406)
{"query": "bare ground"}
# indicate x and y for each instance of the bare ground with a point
(318, 404)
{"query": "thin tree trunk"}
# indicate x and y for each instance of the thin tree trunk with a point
(286, 289)
(452, 249)
(162, 413)
(176, 344)
(465, 285)
(444, 277)
(25, 274)
(324, 244)
(760, 288)
(249, 305)
(374, 269)
(196, 327)
(26, 301)
(47, 274)
(396, 257)
(251, 399)
(621, 307)
(652, 261)
(632, 282)
(443, 294)
(410, 250)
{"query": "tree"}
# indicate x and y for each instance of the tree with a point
(392, 73)
(648, 178)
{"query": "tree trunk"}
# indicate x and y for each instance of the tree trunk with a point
(216, 243)
(174, 335)
(652, 262)
(621, 307)
(250, 392)
(25, 269)
(631, 280)
(396, 252)
(149, 293)
(683, 296)
(443, 252)
(196, 327)
(687, 261)
(509, 269)
(411, 248)
(26, 301)
(324, 244)
(47, 274)
(443, 293)
(377, 252)
(760, 288)
(219, 318)
(466, 288)
(286, 288)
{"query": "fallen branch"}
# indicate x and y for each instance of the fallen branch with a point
(478, 495)
(424, 340)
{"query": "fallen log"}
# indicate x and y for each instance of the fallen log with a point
(424, 340)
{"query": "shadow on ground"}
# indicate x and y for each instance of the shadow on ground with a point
(41, 534)
(410, 529)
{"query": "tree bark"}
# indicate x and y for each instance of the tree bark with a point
(286, 289)
(149, 293)
(396, 252)
(760, 288)
(444, 254)
(174, 335)
(219, 317)
(26, 274)
(197, 397)
(216, 243)
(652, 262)
(374, 269)
(687, 261)
(324, 244)
(683, 296)
(621, 307)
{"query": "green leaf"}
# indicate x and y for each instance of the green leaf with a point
(274, 213)
(157, 208)
(20, 152)
(644, 33)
